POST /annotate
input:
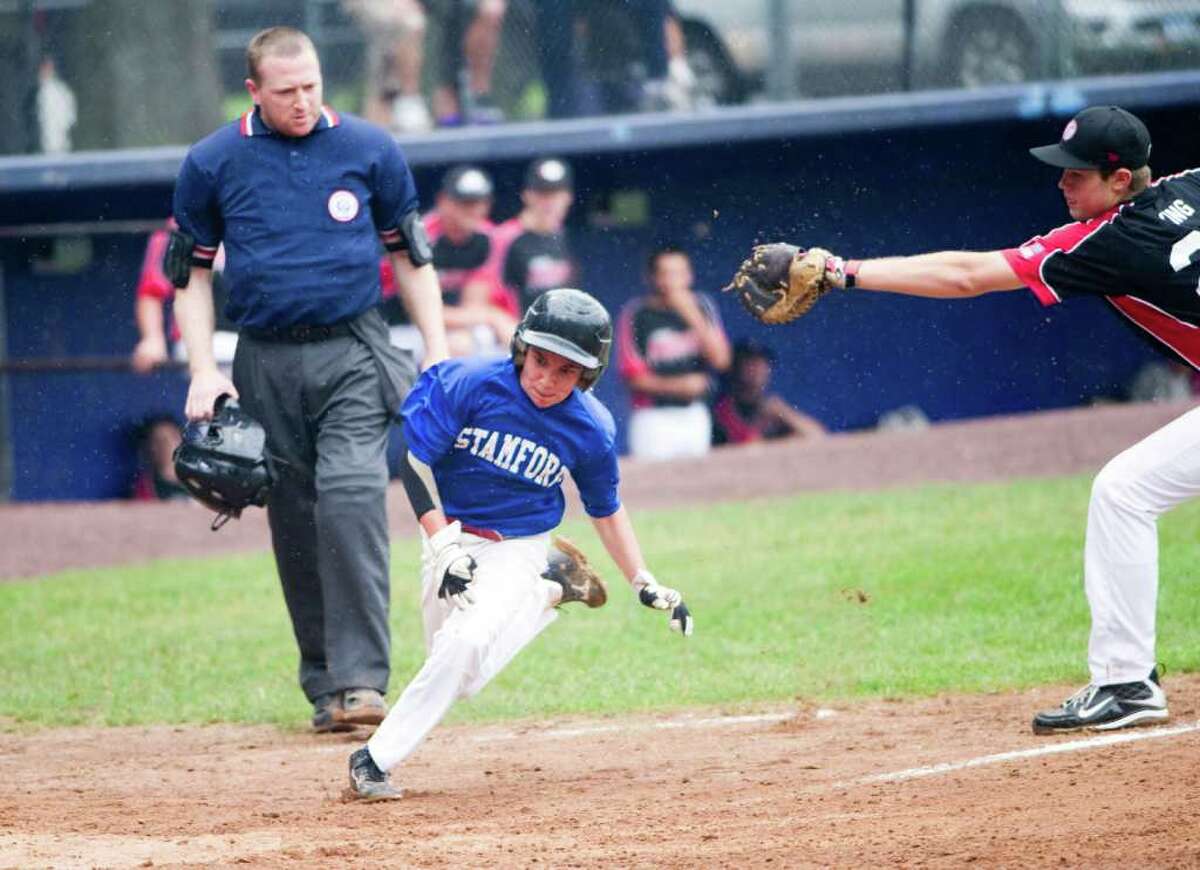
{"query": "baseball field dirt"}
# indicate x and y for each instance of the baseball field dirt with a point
(944, 781)
(783, 792)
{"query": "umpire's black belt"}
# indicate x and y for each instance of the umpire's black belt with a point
(300, 333)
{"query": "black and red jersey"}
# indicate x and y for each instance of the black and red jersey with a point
(528, 263)
(457, 264)
(1143, 256)
(652, 339)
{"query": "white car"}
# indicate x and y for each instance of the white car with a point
(858, 46)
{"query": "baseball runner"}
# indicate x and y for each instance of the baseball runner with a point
(488, 442)
(1135, 243)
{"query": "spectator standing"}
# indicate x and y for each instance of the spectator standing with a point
(55, 109)
(395, 35)
(746, 411)
(471, 39)
(301, 197)
(669, 341)
(530, 253)
(668, 80)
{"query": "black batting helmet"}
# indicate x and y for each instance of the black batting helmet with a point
(571, 324)
(223, 463)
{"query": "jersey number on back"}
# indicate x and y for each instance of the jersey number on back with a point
(1184, 250)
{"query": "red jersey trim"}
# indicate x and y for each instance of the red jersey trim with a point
(328, 115)
(630, 363)
(1179, 335)
(203, 255)
(1029, 260)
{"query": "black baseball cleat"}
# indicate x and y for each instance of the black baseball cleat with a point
(367, 781)
(1107, 708)
(327, 715)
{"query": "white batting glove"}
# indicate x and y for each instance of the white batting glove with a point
(659, 597)
(453, 566)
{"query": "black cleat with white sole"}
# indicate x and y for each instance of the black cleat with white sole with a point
(367, 781)
(1107, 708)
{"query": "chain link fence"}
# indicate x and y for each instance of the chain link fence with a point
(721, 52)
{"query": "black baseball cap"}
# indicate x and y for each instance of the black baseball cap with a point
(549, 173)
(467, 183)
(1102, 137)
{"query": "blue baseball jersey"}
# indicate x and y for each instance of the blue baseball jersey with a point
(498, 459)
(301, 219)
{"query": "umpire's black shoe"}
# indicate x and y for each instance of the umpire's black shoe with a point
(367, 781)
(327, 715)
(1107, 708)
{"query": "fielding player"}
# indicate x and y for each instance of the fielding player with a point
(489, 440)
(1136, 243)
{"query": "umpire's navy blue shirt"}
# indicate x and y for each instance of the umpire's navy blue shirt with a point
(301, 219)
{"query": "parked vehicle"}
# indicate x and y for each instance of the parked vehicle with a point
(839, 47)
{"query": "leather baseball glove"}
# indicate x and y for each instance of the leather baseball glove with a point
(779, 282)
(568, 567)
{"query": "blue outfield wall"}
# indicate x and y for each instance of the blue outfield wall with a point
(894, 190)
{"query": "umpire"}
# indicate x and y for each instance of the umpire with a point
(301, 198)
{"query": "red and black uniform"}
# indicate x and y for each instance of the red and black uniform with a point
(739, 422)
(1143, 256)
(657, 341)
(457, 264)
(526, 264)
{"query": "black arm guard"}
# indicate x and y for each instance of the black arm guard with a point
(417, 490)
(177, 258)
(414, 240)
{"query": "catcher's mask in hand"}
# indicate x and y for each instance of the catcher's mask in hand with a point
(223, 462)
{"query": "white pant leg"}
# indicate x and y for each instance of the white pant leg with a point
(1121, 553)
(513, 604)
(658, 434)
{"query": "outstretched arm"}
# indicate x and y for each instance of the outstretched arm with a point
(943, 275)
(619, 539)
(621, 543)
(779, 282)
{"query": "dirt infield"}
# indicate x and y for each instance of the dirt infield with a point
(788, 788)
(943, 782)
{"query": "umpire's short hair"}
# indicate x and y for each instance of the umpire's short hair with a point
(284, 41)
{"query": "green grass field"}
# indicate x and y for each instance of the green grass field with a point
(968, 588)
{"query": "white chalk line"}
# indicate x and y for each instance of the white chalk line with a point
(1084, 745)
(625, 727)
(1022, 754)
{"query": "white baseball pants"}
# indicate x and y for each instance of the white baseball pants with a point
(1121, 553)
(657, 434)
(466, 648)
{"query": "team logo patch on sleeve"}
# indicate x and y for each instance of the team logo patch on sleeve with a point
(343, 206)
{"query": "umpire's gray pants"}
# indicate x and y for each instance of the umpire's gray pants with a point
(325, 410)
